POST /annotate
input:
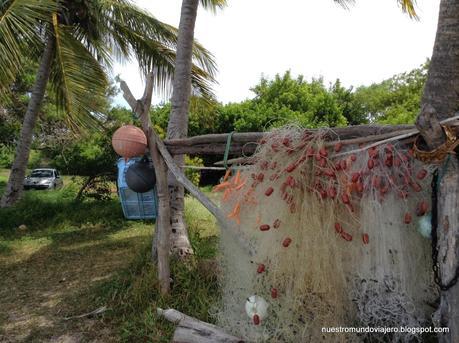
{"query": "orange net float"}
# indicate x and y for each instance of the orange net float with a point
(129, 141)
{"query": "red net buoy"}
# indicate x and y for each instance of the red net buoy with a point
(129, 141)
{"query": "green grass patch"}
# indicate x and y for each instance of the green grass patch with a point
(133, 295)
(83, 255)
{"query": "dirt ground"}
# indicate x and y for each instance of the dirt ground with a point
(44, 279)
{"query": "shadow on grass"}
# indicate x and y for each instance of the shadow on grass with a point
(133, 294)
(65, 280)
(57, 281)
(85, 262)
(4, 248)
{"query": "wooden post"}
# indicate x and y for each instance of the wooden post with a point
(160, 245)
(140, 108)
(448, 245)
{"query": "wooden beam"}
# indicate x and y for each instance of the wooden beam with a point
(347, 132)
(244, 144)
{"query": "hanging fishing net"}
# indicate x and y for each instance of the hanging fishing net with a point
(330, 232)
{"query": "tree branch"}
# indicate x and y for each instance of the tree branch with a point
(160, 246)
(127, 95)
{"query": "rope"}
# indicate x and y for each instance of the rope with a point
(214, 168)
(227, 149)
(438, 154)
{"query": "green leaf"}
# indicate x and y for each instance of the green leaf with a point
(408, 7)
(21, 33)
(78, 80)
(213, 5)
(136, 33)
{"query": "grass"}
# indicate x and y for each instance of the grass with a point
(133, 297)
(63, 258)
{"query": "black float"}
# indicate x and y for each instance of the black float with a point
(140, 177)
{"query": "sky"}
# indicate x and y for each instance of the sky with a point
(369, 42)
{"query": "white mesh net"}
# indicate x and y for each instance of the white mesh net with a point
(333, 236)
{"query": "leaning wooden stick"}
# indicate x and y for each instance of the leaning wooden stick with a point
(195, 192)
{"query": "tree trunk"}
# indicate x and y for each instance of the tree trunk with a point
(178, 121)
(440, 100)
(14, 187)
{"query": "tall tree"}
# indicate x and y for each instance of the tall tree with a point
(178, 120)
(75, 43)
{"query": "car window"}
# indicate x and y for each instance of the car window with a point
(41, 173)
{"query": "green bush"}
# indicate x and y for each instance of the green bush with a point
(36, 160)
(6, 156)
(194, 175)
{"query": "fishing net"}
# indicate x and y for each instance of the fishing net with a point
(331, 240)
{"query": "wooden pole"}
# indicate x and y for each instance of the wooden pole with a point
(448, 244)
(245, 143)
(347, 132)
(160, 245)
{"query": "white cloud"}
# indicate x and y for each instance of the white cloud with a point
(368, 43)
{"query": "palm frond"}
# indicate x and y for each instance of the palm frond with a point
(213, 5)
(77, 79)
(204, 59)
(345, 3)
(21, 33)
(121, 13)
(160, 59)
(408, 6)
(135, 33)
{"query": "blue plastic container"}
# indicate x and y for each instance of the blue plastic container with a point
(135, 205)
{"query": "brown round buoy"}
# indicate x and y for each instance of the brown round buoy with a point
(129, 141)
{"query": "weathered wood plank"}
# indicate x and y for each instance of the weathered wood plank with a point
(448, 245)
(192, 330)
(245, 143)
(347, 132)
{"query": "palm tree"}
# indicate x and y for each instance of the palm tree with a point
(178, 120)
(76, 43)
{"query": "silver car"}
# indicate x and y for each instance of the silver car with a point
(43, 179)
